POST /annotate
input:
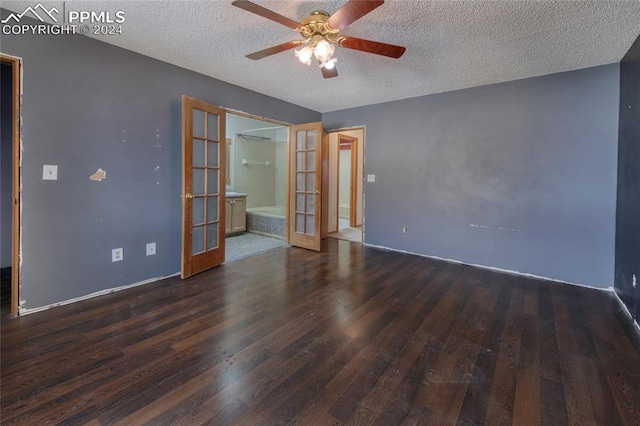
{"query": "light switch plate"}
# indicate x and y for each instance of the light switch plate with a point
(371, 178)
(117, 254)
(151, 249)
(49, 172)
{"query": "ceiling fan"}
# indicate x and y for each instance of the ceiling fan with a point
(321, 33)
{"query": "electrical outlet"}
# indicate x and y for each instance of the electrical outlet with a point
(49, 172)
(151, 249)
(633, 282)
(404, 229)
(117, 254)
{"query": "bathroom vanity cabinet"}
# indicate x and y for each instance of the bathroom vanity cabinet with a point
(236, 214)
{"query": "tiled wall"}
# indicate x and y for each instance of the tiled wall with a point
(264, 185)
(281, 173)
(273, 226)
(257, 181)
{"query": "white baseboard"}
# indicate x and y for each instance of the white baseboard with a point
(23, 311)
(624, 308)
(490, 268)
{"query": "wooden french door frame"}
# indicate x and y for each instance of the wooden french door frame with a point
(16, 71)
(203, 186)
(305, 185)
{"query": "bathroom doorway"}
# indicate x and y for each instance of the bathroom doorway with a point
(256, 190)
(10, 191)
(345, 184)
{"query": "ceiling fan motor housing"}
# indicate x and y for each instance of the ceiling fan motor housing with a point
(316, 25)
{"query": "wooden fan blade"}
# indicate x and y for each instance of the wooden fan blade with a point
(369, 46)
(266, 13)
(351, 12)
(275, 49)
(333, 72)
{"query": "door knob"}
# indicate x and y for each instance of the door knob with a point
(317, 192)
(189, 196)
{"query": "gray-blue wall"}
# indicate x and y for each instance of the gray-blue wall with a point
(628, 211)
(89, 105)
(518, 175)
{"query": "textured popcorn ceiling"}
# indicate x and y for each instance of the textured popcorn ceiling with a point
(450, 44)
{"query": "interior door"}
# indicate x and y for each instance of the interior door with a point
(203, 186)
(305, 185)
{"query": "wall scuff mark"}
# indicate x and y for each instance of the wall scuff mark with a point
(473, 225)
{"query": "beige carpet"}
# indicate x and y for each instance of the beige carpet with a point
(349, 234)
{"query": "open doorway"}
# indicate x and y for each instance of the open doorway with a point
(256, 185)
(9, 178)
(345, 184)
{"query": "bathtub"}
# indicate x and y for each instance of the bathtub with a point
(270, 211)
(267, 220)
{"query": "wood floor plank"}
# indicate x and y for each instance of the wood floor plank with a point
(343, 368)
(503, 389)
(451, 376)
(383, 394)
(570, 345)
(476, 400)
(600, 395)
(526, 405)
(350, 335)
(553, 408)
(549, 356)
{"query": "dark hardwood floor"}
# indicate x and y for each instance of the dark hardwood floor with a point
(351, 335)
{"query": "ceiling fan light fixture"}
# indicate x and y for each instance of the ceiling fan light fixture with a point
(321, 33)
(323, 50)
(304, 55)
(330, 64)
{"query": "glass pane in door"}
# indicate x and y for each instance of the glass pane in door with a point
(311, 181)
(212, 127)
(198, 123)
(301, 142)
(197, 238)
(198, 181)
(311, 202)
(198, 211)
(300, 223)
(206, 179)
(311, 140)
(212, 209)
(305, 197)
(198, 153)
(212, 154)
(311, 161)
(310, 222)
(212, 236)
(213, 181)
